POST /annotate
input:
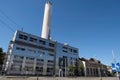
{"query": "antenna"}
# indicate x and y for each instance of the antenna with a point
(22, 29)
(113, 57)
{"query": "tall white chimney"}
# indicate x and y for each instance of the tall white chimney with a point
(47, 21)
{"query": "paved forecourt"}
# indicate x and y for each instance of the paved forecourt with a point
(57, 78)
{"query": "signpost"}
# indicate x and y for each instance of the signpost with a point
(116, 68)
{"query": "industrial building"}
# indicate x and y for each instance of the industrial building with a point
(34, 55)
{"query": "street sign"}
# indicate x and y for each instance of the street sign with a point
(116, 67)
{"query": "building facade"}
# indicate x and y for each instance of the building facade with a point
(32, 55)
(93, 67)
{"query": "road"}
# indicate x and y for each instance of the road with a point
(57, 78)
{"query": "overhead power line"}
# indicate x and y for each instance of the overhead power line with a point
(6, 25)
(8, 17)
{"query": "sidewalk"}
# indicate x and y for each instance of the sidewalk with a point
(56, 78)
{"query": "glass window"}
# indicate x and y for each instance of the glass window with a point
(17, 61)
(39, 69)
(41, 52)
(51, 50)
(31, 50)
(20, 57)
(40, 60)
(42, 42)
(28, 58)
(33, 39)
(50, 61)
(28, 68)
(23, 49)
(16, 67)
(64, 51)
(75, 51)
(49, 69)
(51, 45)
(20, 48)
(88, 71)
(24, 37)
(70, 49)
(51, 54)
(65, 47)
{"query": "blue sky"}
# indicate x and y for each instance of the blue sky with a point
(93, 26)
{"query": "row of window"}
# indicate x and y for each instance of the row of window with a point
(24, 37)
(29, 58)
(20, 48)
(16, 61)
(16, 67)
(31, 50)
(34, 51)
(18, 57)
(66, 49)
(28, 68)
(29, 62)
(40, 60)
(75, 51)
(91, 71)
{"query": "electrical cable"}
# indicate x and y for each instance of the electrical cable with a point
(8, 17)
(6, 25)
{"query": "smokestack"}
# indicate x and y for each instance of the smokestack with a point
(47, 21)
